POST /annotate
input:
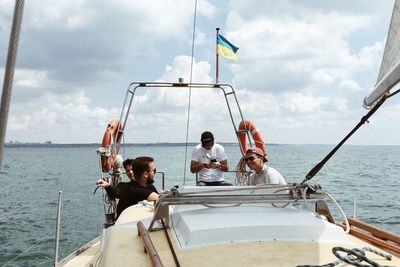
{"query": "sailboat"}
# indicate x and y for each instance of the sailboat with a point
(240, 225)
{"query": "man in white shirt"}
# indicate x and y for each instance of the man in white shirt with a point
(263, 174)
(209, 160)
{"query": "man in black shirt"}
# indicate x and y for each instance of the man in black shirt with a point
(137, 189)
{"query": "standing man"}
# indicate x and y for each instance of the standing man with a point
(209, 161)
(263, 174)
(137, 189)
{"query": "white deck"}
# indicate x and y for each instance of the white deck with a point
(224, 237)
(197, 226)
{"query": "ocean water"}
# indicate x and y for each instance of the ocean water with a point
(31, 178)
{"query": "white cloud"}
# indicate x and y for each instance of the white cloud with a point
(200, 38)
(349, 84)
(181, 68)
(296, 102)
(162, 112)
(302, 70)
(292, 53)
(72, 118)
(205, 8)
(31, 78)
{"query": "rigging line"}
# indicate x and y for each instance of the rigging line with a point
(394, 93)
(363, 120)
(26, 250)
(190, 91)
(9, 71)
(10, 213)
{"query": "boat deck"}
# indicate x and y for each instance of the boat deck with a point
(124, 247)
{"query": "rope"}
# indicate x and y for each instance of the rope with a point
(334, 201)
(9, 72)
(190, 92)
(303, 194)
(102, 191)
(29, 248)
(241, 176)
(341, 211)
(354, 257)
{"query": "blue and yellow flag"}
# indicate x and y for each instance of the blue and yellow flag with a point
(225, 48)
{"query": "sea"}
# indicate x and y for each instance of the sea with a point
(32, 177)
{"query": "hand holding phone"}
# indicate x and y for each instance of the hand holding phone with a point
(214, 163)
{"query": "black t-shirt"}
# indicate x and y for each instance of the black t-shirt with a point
(129, 194)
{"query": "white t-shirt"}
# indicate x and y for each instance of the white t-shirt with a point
(201, 155)
(268, 175)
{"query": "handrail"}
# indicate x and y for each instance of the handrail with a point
(149, 246)
(379, 233)
(227, 90)
(234, 199)
(372, 239)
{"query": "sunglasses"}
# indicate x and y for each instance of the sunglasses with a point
(154, 170)
(252, 158)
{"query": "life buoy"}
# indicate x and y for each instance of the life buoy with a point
(110, 133)
(248, 125)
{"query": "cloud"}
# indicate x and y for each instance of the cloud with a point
(293, 53)
(72, 118)
(78, 42)
(302, 69)
(164, 110)
(350, 84)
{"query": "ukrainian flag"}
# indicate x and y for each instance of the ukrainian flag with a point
(225, 48)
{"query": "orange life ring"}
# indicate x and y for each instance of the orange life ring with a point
(248, 125)
(110, 133)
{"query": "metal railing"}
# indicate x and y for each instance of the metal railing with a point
(227, 89)
(265, 193)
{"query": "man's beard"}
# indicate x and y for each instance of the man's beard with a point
(150, 181)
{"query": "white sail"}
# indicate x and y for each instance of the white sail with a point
(389, 73)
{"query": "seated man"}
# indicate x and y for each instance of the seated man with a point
(209, 161)
(263, 174)
(138, 189)
(127, 164)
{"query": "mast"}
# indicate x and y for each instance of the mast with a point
(216, 57)
(9, 72)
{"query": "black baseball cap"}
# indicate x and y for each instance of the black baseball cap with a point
(207, 137)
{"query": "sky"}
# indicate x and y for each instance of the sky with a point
(302, 72)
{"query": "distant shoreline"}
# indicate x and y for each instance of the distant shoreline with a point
(54, 145)
(161, 144)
